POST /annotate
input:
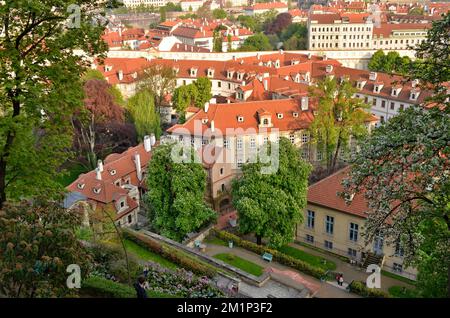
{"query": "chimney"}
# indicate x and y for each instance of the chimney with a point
(100, 165)
(304, 103)
(147, 143)
(258, 56)
(98, 174)
(137, 162)
(212, 125)
(120, 75)
(266, 84)
(153, 139)
(206, 107)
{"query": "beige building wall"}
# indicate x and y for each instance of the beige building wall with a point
(340, 238)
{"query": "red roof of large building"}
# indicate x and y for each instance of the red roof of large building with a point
(325, 193)
(267, 6)
(386, 29)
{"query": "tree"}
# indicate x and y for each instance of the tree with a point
(183, 97)
(281, 22)
(390, 63)
(176, 192)
(40, 86)
(93, 124)
(256, 42)
(37, 243)
(162, 13)
(159, 80)
(340, 118)
(271, 205)
(217, 41)
(219, 14)
(145, 117)
(405, 164)
(203, 87)
(376, 61)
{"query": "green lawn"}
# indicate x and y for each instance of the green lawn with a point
(402, 292)
(314, 260)
(240, 263)
(398, 277)
(145, 254)
(216, 241)
(72, 174)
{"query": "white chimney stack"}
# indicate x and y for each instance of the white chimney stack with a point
(137, 162)
(100, 165)
(147, 143)
(98, 174)
(212, 125)
(206, 107)
(266, 84)
(120, 75)
(304, 103)
(153, 139)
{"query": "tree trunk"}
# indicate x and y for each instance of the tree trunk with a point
(258, 239)
(336, 154)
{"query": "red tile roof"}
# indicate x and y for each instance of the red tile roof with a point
(267, 6)
(325, 194)
(386, 29)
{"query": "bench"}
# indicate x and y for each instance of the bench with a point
(267, 257)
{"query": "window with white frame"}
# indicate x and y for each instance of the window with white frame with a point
(226, 143)
(353, 235)
(310, 219)
(292, 138)
(305, 138)
(240, 162)
(397, 267)
(328, 245)
(329, 224)
(252, 142)
(239, 143)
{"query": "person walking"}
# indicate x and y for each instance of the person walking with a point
(139, 287)
(341, 280)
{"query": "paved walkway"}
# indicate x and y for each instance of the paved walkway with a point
(352, 272)
(325, 290)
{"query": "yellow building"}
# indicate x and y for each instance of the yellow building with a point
(332, 224)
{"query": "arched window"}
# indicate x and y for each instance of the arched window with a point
(265, 121)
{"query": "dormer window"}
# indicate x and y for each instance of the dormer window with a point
(97, 190)
(112, 172)
(240, 119)
(265, 121)
(395, 91)
(277, 63)
(414, 94)
(210, 72)
(80, 186)
(279, 115)
(240, 76)
(360, 84)
(230, 74)
(372, 76)
(295, 114)
(204, 121)
(295, 62)
(176, 69)
(329, 68)
(378, 87)
(108, 68)
(193, 71)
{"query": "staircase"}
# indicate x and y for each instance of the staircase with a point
(372, 258)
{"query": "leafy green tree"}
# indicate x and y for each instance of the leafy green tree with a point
(162, 13)
(37, 243)
(256, 42)
(340, 117)
(406, 167)
(271, 205)
(183, 97)
(390, 63)
(40, 87)
(219, 14)
(145, 117)
(376, 61)
(176, 192)
(203, 86)
(217, 41)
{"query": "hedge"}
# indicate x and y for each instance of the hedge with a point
(101, 287)
(361, 289)
(170, 254)
(277, 255)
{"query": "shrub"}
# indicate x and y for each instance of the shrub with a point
(360, 288)
(277, 256)
(170, 254)
(102, 287)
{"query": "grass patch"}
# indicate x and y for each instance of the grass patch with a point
(241, 263)
(72, 174)
(313, 260)
(398, 277)
(402, 292)
(216, 241)
(147, 255)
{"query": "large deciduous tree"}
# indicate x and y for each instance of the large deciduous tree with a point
(281, 22)
(37, 243)
(271, 205)
(145, 117)
(404, 171)
(40, 87)
(203, 86)
(176, 193)
(340, 117)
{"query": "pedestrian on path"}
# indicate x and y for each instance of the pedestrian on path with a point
(341, 280)
(139, 287)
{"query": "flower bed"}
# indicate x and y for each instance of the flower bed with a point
(277, 256)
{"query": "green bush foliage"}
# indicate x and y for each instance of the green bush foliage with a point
(361, 289)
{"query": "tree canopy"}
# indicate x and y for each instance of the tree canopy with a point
(391, 62)
(176, 193)
(145, 117)
(271, 205)
(256, 42)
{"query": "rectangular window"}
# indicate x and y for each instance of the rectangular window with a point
(292, 138)
(383, 104)
(239, 162)
(226, 143)
(374, 102)
(239, 143)
(305, 138)
(219, 84)
(328, 245)
(329, 224)
(398, 250)
(397, 267)
(266, 140)
(309, 238)
(354, 232)
(253, 143)
(351, 252)
(310, 220)
(392, 105)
